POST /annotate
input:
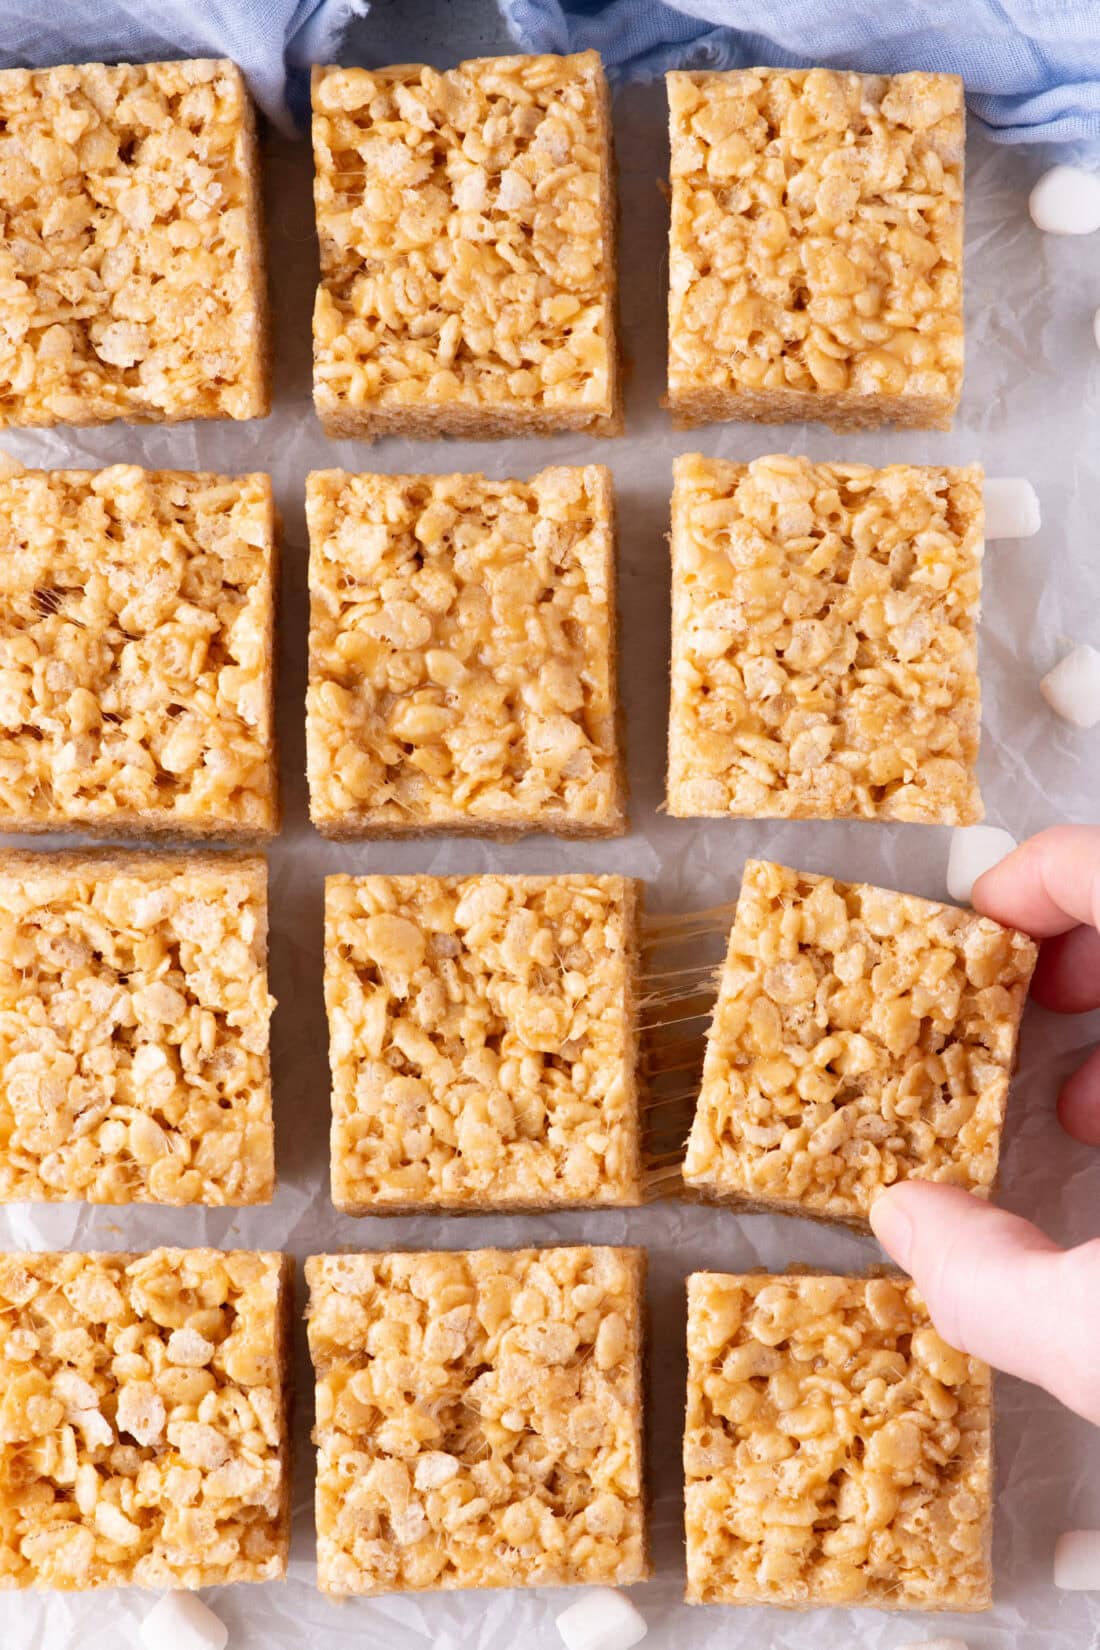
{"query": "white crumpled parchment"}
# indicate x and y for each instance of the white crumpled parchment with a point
(1030, 407)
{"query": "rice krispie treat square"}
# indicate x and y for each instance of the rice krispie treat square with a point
(479, 1419)
(131, 264)
(137, 674)
(824, 641)
(134, 1015)
(462, 673)
(860, 1037)
(143, 1419)
(836, 1451)
(466, 222)
(815, 257)
(483, 1042)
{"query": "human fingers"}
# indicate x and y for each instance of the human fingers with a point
(998, 1289)
(1067, 979)
(1079, 1103)
(1047, 885)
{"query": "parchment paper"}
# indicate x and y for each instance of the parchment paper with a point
(1030, 406)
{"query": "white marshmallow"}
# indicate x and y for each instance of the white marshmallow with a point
(974, 849)
(1072, 688)
(1011, 508)
(1096, 328)
(1077, 1561)
(181, 1621)
(601, 1619)
(1066, 201)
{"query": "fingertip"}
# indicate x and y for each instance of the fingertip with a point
(1079, 1102)
(892, 1225)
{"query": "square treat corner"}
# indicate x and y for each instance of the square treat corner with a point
(815, 255)
(479, 1419)
(137, 675)
(860, 1037)
(824, 641)
(482, 1042)
(132, 261)
(463, 669)
(143, 1419)
(836, 1451)
(466, 224)
(134, 1026)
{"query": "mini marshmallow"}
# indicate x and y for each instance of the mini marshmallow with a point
(1011, 508)
(974, 849)
(601, 1620)
(1072, 688)
(1077, 1561)
(181, 1621)
(1066, 201)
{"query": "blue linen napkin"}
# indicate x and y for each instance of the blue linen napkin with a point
(1032, 67)
(273, 41)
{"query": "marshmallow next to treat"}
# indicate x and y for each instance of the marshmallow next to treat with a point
(181, 1621)
(601, 1619)
(1066, 201)
(974, 850)
(1072, 688)
(1077, 1561)
(1011, 508)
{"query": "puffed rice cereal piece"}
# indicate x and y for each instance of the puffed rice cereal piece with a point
(134, 1016)
(466, 223)
(137, 675)
(815, 253)
(463, 654)
(483, 1041)
(860, 1037)
(131, 266)
(836, 1452)
(121, 1463)
(824, 641)
(479, 1419)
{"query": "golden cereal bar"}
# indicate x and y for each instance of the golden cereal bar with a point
(463, 654)
(479, 1419)
(466, 223)
(815, 256)
(143, 1419)
(836, 1451)
(824, 641)
(131, 266)
(136, 653)
(134, 1016)
(860, 1037)
(482, 1041)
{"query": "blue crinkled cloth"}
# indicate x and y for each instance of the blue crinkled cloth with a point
(1031, 67)
(273, 41)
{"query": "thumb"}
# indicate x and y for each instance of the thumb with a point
(998, 1289)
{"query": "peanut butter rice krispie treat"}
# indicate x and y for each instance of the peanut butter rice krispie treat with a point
(463, 663)
(134, 1016)
(137, 672)
(131, 263)
(483, 1041)
(143, 1419)
(824, 641)
(479, 1419)
(466, 223)
(837, 1451)
(860, 1037)
(815, 259)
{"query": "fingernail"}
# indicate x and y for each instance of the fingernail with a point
(893, 1228)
